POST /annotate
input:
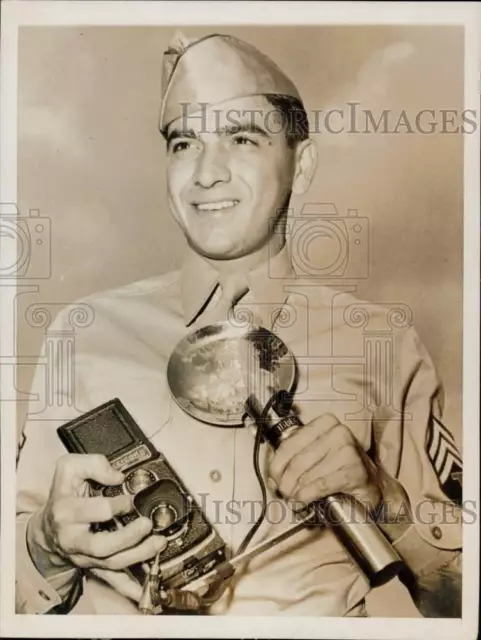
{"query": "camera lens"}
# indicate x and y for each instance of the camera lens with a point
(166, 505)
(139, 480)
(163, 516)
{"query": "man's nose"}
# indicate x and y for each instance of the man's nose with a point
(212, 168)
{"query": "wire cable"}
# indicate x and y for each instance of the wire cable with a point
(253, 530)
(259, 438)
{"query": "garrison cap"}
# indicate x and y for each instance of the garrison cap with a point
(214, 69)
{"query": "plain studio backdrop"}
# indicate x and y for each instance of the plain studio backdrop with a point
(90, 159)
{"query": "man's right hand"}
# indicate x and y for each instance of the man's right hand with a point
(59, 536)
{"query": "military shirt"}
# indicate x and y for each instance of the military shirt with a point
(362, 362)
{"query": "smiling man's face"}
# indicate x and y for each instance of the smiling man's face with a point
(228, 176)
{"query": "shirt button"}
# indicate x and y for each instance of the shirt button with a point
(436, 533)
(44, 595)
(215, 475)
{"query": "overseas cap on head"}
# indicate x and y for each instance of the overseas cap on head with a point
(214, 69)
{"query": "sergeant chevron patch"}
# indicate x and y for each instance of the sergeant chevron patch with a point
(446, 460)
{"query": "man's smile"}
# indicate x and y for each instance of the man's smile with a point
(217, 205)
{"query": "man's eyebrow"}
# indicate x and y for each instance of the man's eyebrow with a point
(247, 127)
(180, 133)
(229, 130)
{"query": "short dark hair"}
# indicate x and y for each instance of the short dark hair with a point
(294, 115)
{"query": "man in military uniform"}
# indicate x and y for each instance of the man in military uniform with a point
(230, 178)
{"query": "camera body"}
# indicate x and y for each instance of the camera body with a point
(194, 547)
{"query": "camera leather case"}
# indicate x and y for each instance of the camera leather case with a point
(194, 546)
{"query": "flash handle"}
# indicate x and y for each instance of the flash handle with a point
(349, 519)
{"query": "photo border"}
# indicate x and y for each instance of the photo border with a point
(117, 13)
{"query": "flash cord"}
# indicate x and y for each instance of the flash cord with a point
(255, 459)
(252, 531)
(216, 592)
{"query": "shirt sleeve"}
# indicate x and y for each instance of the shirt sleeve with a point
(38, 453)
(36, 595)
(416, 447)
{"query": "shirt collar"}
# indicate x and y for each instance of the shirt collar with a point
(266, 283)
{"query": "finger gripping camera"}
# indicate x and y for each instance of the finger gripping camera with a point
(194, 547)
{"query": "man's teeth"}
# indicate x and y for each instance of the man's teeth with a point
(216, 206)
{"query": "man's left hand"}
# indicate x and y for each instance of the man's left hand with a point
(321, 459)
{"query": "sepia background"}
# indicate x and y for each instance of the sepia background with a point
(91, 160)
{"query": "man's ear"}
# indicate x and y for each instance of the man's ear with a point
(306, 163)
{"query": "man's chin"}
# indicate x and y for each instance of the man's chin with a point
(215, 252)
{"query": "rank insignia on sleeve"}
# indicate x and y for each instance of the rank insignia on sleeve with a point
(446, 460)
